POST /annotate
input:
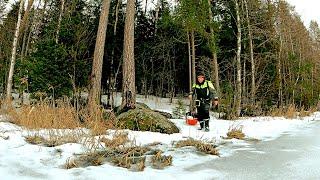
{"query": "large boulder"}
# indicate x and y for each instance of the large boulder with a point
(144, 119)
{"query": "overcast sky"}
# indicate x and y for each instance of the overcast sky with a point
(308, 9)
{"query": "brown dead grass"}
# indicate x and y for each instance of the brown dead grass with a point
(132, 158)
(98, 120)
(118, 150)
(303, 112)
(160, 161)
(90, 159)
(43, 115)
(34, 139)
(53, 138)
(292, 112)
(119, 139)
(61, 114)
(235, 133)
(201, 146)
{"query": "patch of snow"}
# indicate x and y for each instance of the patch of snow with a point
(20, 160)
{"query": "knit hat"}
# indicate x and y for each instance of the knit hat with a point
(201, 74)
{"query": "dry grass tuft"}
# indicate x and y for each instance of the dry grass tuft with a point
(207, 148)
(44, 115)
(292, 112)
(71, 163)
(34, 139)
(116, 150)
(154, 144)
(90, 159)
(201, 146)
(235, 132)
(98, 120)
(54, 138)
(119, 138)
(129, 161)
(160, 161)
(127, 157)
(139, 166)
(303, 112)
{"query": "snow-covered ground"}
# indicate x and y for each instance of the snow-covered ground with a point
(20, 160)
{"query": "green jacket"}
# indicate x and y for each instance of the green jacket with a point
(204, 91)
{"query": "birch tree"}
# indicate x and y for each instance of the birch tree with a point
(14, 52)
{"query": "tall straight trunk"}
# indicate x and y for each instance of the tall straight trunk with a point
(28, 41)
(190, 62)
(280, 95)
(298, 74)
(214, 53)
(36, 23)
(253, 64)
(14, 52)
(25, 18)
(193, 57)
(157, 13)
(24, 39)
(59, 20)
(112, 73)
(129, 93)
(96, 73)
(190, 70)
(238, 61)
(27, 26)
(145, 8)
(244, 79)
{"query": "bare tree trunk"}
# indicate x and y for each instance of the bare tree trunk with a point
(244, 79)
(298, 76)
(238, 92)
(24, 39)
(129, 91)
(279, 72)
(112, 75)
(190, 70)
(253, 64)
(157, 14)
(27, 26)
(59, 20)
(190, 63)
(25, 19)
(214, 54)
(173, 75)
(145, 8)
(95, 89)
(193, 55)
(14, 52)
(28, 41)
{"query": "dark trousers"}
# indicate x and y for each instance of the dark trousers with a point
(203, 114)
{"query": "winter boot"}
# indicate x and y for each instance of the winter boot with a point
(206, 125)
(201, 125)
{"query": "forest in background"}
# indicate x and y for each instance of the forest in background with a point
(258, 53)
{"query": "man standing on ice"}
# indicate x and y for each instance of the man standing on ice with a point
(203, 92)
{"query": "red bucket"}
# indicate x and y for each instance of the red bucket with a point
(191, 121)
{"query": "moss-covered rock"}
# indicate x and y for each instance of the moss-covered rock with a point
(139, 105)
(142, 119)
